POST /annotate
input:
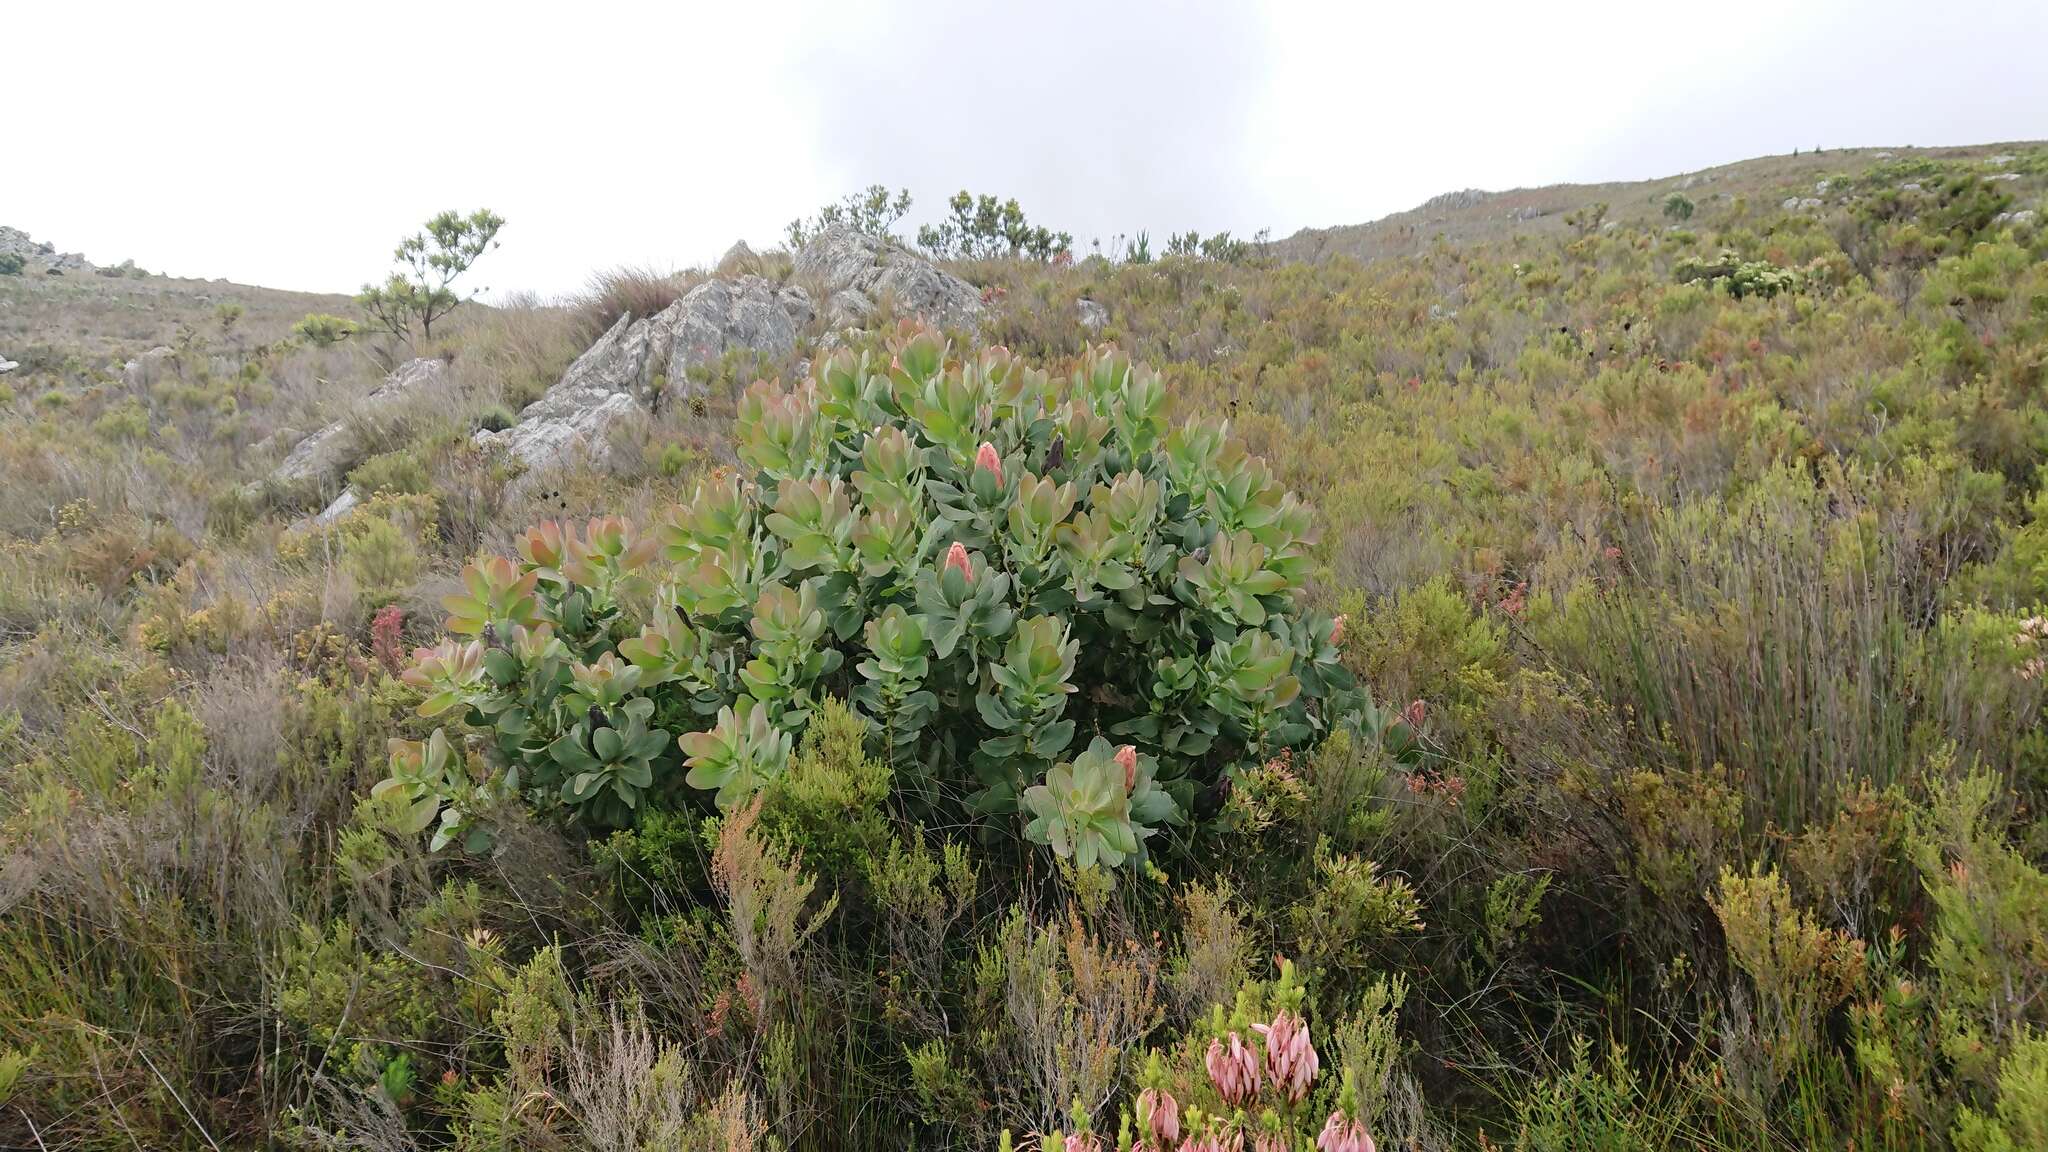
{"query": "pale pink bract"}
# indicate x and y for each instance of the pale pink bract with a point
(1341, 1134)
(1291, 1060)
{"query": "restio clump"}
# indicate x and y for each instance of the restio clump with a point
(1047, 604)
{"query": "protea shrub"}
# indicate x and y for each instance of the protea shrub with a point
(1049, 604)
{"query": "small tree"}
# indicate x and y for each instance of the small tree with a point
(874, 212)
(10, 264)
(418, 291)
(1587, 220)
(984, 228)
(1678, 206)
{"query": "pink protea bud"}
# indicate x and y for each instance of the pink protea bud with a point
(986, 460)
(1414, 713)
(1269, 1142)
(1083, 1142)
(1127, 757)
(1291, 1060)
(1337, 631)
(1341, 1134)
(1234, 1070)
(956, 558)
(1159, 1116)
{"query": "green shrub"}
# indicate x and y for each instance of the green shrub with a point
(399, 471)
(985, 563)
(1739, 276)
(324, 331)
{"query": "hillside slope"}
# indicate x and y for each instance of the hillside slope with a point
(1475, 215)
(1562, 687)
(62, 308)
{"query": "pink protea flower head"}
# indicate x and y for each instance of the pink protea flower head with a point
(1342, 1134)
(1234, 1070)
(1337, 630)
(1159, 1116)
(1291, 1061)
(956, 558)
(1269, 1142)
(1083, 1142)
(1414, 713)
(985, 459)
(1215, 1140)
(1127, 758)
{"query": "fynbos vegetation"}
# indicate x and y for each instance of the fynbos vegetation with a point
(1577, 684)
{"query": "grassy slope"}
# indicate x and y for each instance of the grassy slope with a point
(1542, 211)
(93, 318)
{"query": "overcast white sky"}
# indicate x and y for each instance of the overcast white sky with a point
(292, 144)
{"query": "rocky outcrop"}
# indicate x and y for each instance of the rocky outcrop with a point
(324, 456)
(1454, 201)
(652, 359)
(638, 358)
(142, 373)
(598, 390)
(718, 316)
(15, 242)
(853, 272)
(1092, 315)
(342, 506)
(739, 260)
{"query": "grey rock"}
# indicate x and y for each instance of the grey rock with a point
(1884, 155)
(618, 373)
(1820, 187)
(853, 271)
(7, 365)
(325, 455)
(617, 376)
(564, 432)
(142, 373)
(2022, 217)
(2003, 158)
(739, 260)
(2004, 176)
(718, 316)
(1093, 316)
(1910, 186)
(15, 242)
(573, 417)
(342, 506)
(1797, 203)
